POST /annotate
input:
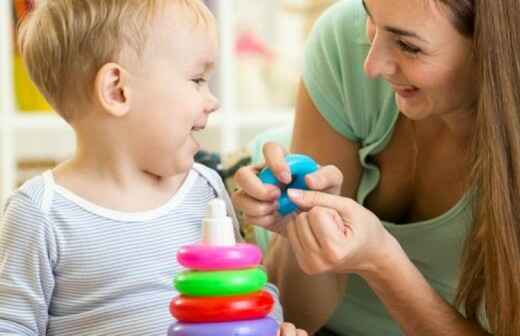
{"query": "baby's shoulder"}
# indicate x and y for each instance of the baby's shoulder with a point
(37, 191)
(209, 175)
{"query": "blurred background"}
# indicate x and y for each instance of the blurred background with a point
(261, 48)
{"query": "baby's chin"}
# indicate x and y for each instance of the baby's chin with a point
(170, 170)
(180, 169)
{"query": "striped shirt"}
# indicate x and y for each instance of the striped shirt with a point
(70, 267)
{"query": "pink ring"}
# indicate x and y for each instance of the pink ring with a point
(205, 257)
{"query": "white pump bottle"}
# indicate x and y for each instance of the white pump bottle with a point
(217, 227)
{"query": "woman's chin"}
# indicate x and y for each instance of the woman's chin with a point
(413, 112)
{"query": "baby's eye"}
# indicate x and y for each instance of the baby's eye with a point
(199, 81)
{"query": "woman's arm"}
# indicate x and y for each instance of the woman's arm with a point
(351, 239)
(309, 300)
(313, 136)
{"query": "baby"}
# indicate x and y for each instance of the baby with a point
(89, 247)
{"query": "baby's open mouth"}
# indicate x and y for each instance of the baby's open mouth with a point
(197, 128)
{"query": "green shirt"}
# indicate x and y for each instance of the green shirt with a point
(364, 111)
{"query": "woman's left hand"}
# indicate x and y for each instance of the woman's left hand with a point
(288, 329)
(334, 233)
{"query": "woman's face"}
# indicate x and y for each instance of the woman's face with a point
(428, 63)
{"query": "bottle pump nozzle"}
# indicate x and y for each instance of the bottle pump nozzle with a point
(217, 227)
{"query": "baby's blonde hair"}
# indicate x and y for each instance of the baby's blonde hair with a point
(64, 43)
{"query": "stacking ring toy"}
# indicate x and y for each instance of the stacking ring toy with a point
(262, 327)
(206, 257)
(220, 283)
(221, 309)
(300, 165)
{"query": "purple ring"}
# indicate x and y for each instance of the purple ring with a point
(261, 327)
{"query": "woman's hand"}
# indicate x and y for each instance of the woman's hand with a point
(335, 233)
(288, 329)
(258, 201)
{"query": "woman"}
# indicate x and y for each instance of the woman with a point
(415, 102)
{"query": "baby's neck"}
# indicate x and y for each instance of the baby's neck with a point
(116, 185)
(104, 172)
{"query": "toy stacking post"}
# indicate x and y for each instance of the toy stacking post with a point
(221, 293)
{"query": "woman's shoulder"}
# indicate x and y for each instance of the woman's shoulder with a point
(345, 17)
(353, 104)
(341, 25)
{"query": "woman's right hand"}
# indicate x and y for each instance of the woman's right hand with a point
(259, 201)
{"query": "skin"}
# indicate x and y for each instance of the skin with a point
(413, 45)
(415, 48)
(423, 174)
(162, 97)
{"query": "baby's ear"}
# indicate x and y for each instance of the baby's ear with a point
(111, 89)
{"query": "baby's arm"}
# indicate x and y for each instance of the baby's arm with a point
(27, 246)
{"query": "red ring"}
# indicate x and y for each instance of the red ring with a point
(221, 309)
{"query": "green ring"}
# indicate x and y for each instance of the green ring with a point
(220, 283)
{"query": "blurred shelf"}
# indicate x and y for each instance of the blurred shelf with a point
(39, 120)
(254, 117)
(265, 117)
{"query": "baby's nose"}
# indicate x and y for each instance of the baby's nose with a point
(213, 104)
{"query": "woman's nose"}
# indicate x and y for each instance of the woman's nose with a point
(379, 61)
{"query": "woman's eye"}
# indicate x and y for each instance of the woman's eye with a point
(408, 48)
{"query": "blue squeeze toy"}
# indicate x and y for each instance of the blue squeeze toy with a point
(299, 165)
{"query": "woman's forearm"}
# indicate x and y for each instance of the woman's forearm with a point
(308, 300)
(413, 303)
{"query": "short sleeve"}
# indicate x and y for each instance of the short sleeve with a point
(333, 72)
(28, 253)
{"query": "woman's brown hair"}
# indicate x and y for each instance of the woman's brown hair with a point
(490, 274)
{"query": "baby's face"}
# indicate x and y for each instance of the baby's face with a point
(171, 99)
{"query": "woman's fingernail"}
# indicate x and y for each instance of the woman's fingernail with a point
(295, 193)
(275, 193)
(286, 177)
(312, 180)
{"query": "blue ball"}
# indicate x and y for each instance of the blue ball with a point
(300, 165)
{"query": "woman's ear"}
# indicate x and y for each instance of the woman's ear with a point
(111, 89)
